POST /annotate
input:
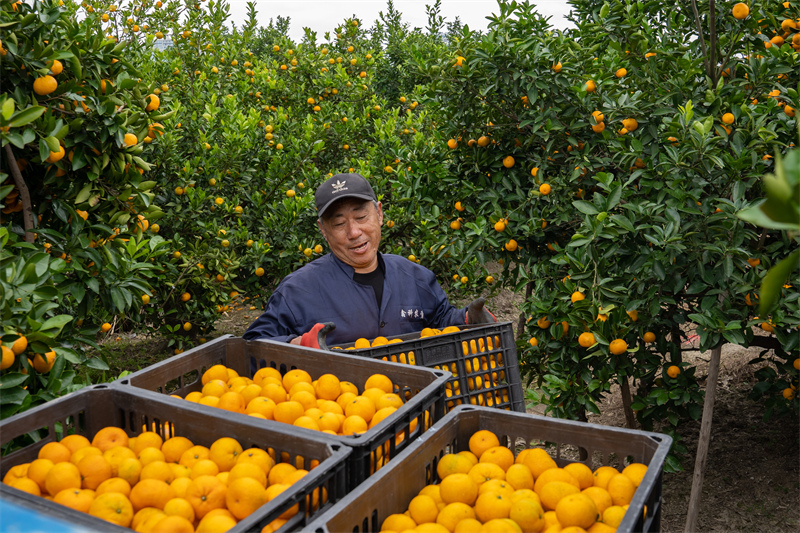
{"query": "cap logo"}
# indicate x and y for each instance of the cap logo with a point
(339, 186)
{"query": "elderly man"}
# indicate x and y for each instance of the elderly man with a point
(363, 292)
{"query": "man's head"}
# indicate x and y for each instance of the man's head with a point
(350, 219)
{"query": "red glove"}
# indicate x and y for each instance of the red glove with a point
(312, 337)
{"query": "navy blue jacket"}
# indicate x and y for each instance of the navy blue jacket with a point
(324, 291)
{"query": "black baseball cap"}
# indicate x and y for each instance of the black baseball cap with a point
(342, 186)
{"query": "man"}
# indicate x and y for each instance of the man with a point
(363, 292)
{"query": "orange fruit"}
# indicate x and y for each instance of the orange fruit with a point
(582, 473)
(288, 411)
(244, 496)
(232, 401)
(621, 489)
(673, 371)
(157, 470)
(151, 493)
(262, 406)
(354, 425)
(114, 484)
(538, 460)
(484, 472)
(458, 487)
(398, 522)
(55, 451)
(273, 491)
(279, 472)
(634, 471)
(94, 470)
(520, 477)
(215, 372)
(179, 507)
(147, 439)
(37, 471)
(266, 372)
(26, 484)
(294, 376)
(62, 476)
(328, 387)
(215, 524)
(740, 11)
(225, 451)
(603, 474)
(16, 472)
(482, 440)
(113, 507)
(108, 437)
(555, 474)
(492, 505)
(258, 457)
(249, 470)
(613, 515)
(274, 392)
(499, 455)
(360, 406)
(75, 442)
(173, 524)
(150, 454)
(576, 510)
(618, 346)
(174, 447)
(552, 492)
(206, 493)
(499, 486)
(423, 509)
(601, 498)
(528, 513)
(144, 519)
(129, 469)
(379, 381)
(78, 499)
(451, 464)
(452, 513)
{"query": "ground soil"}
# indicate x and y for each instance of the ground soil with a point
(752, 476)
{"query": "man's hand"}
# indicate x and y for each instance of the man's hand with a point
(315, 337)
(478, 314)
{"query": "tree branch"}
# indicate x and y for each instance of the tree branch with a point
(25, 196)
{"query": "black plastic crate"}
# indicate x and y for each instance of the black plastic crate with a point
(422, 389)
(87, 411)
(390, 490)
(482, 359)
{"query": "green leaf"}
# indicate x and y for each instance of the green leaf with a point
(8, 108)
(26, 116)
(12, 379)
(52, 143)
(57, 323)
(773, 281)
(585, 207)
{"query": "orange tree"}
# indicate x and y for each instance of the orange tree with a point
(258, 122)
(605, 166)
(77, 197)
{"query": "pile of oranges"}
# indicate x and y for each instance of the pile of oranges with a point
(484, 371)
(488, 489)
(150, 484)
(383, 341)
(326, 404)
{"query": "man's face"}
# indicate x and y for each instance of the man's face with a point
(352, 228)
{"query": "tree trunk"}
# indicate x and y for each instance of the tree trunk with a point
(703, 441)
(24, 194)
(521, 323)
(625, 391)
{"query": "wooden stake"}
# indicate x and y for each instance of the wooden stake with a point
(703, 441)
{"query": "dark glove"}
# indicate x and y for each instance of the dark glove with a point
(315, 337)
(478, 314)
